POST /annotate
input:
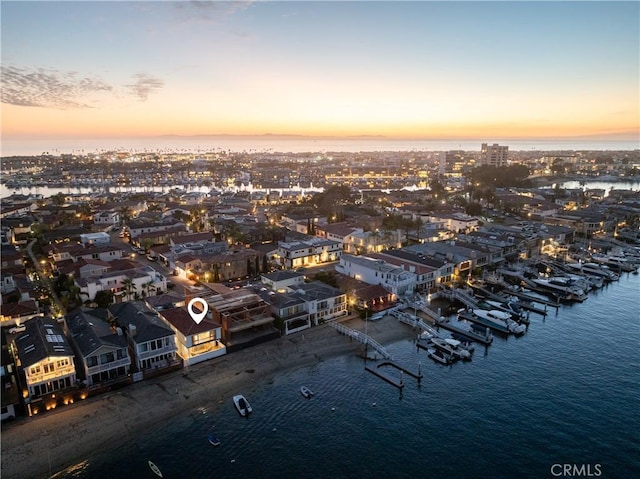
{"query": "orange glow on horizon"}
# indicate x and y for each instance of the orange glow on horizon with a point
(23, 122)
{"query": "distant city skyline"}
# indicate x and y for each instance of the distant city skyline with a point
(406, 70)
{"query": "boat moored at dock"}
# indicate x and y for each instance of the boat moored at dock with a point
(494, 319)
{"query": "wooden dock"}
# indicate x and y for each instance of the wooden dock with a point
(417, 375)
(534, 299)
(485, 339)
(399, 383)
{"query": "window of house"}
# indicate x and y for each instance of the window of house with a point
(92, 361)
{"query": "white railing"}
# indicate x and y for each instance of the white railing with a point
(361, 337)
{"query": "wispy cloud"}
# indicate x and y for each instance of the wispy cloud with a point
(207, 11)
(51, 88)
(143, 85)
(48, 88)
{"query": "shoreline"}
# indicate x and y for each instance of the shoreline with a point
(71, 434)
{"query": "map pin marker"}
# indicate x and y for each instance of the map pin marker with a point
(197, 317)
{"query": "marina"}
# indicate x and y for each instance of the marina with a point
(491, 401)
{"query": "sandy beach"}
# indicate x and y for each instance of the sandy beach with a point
(34, 446)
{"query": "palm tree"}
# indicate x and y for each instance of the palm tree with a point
(146, 287)
(127, 283)
(375, 236)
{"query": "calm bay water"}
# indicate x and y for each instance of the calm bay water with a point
(13, 147)
(565, 393)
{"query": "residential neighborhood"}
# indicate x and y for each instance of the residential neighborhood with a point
(95, 286)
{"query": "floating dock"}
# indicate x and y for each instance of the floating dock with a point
(534, 299)
(418, 376)
(474, 319)
(473, 336)
(399, 383)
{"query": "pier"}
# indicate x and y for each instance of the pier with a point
(399, 383)
(486, 339)
(535, 299)
(362, 338)
(418, 376)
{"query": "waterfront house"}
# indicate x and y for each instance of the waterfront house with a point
(246, 318)
(100, 348)
(195, 342)
(376, 271)
(323, 302)
(151, 340)
(46, 360)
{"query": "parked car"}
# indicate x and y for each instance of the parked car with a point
(18, 329)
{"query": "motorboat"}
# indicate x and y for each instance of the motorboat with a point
(306, 392)
(213, 440)
(511, 307)
(452, 347)
(155, 469)
(498, 320)
(439, 356)
(595, 269)
(242, 405)
(561, 287)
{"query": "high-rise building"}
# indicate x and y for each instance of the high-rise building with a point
(494, 155)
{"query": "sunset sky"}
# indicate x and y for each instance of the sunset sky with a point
(399, 69)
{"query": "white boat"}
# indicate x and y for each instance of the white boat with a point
(306, 392)
(452, 347)
(213, 440)
(439, 356)
(242, 405)
(498, 320)
(155, 469)
(561, 287)
(511, 307)
(595, 269)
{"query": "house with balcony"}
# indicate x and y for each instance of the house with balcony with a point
(363, 242)
(396, 280)
(289, 308)
(340, 232)
(124, 284)
(106, 218)
(46, 360)
(75, 252)
(100, 348)
(245, 317)
(323, 302)
(195, 342)
(308, 252)
(465, 256)
(149, 337)
(443, 268)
